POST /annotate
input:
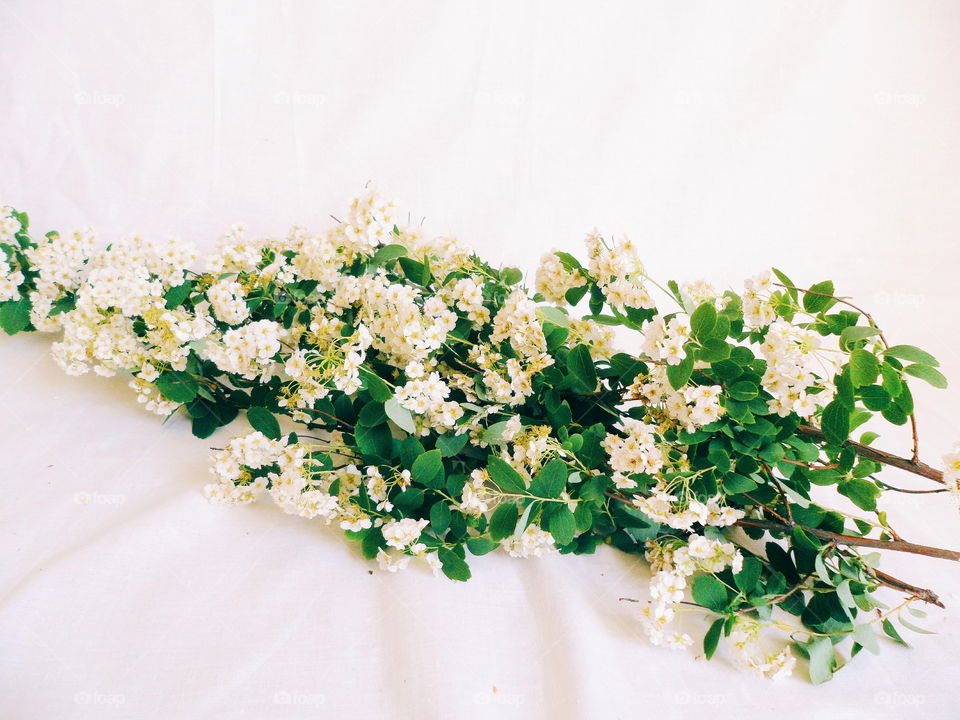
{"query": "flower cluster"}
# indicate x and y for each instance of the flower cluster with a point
(443, 411)
(638, 453)
(692, 407)
(555, 280)
(793, 364)
(247, 351)
(618, 273)
(683, 513)
(672, 563)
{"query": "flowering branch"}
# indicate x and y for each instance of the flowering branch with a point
(910, 465)
(853, 540)
(452, 412)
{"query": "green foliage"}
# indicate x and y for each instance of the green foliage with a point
(263, 420)
(582, 368)
(540, 405)
(506, 478)
(504, 521)
(454, 566)
(428, 470)
(15, 315)
(178, 386)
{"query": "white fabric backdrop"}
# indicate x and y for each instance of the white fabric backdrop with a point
(724, 137)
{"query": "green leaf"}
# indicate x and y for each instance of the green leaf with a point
(569, 261)
(378, 389)
(710, 592)
(791, 286)
(551, 314)
(855, 333)
(912, 354)
(177, 386)
(453, 565)
(862, 493)
(911, 626)
(415, 271)
(481, 545)
(263, 420)
(388, 253)
(581, 367)
(400, 415)
(551, 479)
(218, 416)
(409, 500)
(820, 653)
(891, 379)
(891, 631)
(494, 433)
(703, 320)
(372, 414)
(815, 300)
(845, 595)
(15, 315)
(835, 423)
(176, 296)
(562, 525)
(926, 372)
(679, 374)
(864, 367)
(440, 517)
(874, 397)
(371, 543)
(374, 441)
(713, 350)
(743, 390)
(746, 579)
(449, 444)
(510, 276)
(821, 569)
(575, 294)
(506, 478)
(712, 638)
(865, 635)
(868, 437)
(504, 521)
(428, 469)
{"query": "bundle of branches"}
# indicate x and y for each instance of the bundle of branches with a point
(444, 411)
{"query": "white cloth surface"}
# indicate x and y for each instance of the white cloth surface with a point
(819, 137)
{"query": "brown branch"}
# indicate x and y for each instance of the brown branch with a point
(928, 596)
(853, 540)
(912, 492)
(881, 456)
(832, 466)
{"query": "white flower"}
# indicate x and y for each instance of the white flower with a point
(226, 299)
(401, 533)
(392, 562)
(532, 542)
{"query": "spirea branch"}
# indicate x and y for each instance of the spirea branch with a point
(433, 408)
